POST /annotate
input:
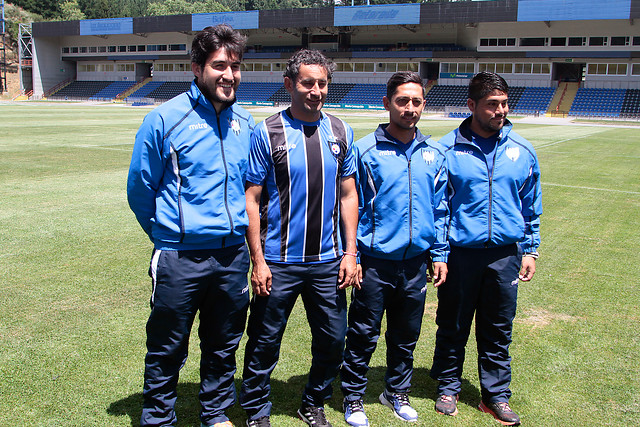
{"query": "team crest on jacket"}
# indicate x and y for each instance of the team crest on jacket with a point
(235, 126)
(428, 156)
(335, 148)
(513, 153)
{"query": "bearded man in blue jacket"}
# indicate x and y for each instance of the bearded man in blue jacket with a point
(186, 188)
(402, 179)
(495, 205)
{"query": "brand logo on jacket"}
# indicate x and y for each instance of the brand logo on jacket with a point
(335, 148)
(386, 153)
(198, 126)
(428, 156)
(513, 153)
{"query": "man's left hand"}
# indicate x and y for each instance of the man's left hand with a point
(439, 273)
(528, 268)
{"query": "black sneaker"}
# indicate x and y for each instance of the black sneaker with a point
(447, 405)
(259, 422)
(502, 412)
(314, 416)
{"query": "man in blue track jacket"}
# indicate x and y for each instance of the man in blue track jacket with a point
(402, 178)
(186, 188)
(495, 204)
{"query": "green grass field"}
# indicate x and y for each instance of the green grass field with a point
(74, 287)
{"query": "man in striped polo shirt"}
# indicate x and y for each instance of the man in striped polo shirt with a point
(303, 207)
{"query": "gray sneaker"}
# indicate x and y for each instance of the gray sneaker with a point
(447, 405)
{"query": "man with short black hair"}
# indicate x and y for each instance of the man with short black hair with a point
(402, 180)
(186, 188)
(495, 205)
(301, 175)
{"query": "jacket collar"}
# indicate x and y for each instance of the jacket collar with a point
(464, 135)
(382, 135)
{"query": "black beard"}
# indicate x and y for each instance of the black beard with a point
(212, 97)
(225, 104)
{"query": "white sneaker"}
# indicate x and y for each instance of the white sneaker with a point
(354, 413)
(399, 404)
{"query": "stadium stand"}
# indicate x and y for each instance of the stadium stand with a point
(268, 92)
(447, 95)
(145, 90)
(257, 91)
(365, 93)
(598, 102)
(113, 90)
(337, 92)
(631, 104)
(80, 90)
(530, 100)
(168, 90)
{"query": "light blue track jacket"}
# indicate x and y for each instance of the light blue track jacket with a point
(403, 207)
(498, 209)
(187, 174)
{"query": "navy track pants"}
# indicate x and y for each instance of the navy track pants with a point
(326, 309)
(399, 288)
(213, 282)
(484, 282)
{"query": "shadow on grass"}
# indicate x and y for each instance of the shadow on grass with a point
(286, 396)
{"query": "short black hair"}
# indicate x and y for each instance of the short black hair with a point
(213, 38)
(308, 57)
(401, 78)
(485, 82)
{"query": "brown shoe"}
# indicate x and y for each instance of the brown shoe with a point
(501, 411)
(446, 405)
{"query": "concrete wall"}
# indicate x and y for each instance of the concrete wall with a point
(48, 67)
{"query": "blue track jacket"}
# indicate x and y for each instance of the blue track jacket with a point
(187, 174)
(403, 207)
(496, 210)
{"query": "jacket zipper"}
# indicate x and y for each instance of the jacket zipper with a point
(226, 177)
(490, 219)
(410, 208)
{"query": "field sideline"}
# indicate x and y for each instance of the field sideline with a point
(74, 287)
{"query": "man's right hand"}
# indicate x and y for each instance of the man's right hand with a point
(261, 279)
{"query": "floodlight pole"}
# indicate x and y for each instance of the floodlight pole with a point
(3, 56)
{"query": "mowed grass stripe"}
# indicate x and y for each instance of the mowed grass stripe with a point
(590, 188)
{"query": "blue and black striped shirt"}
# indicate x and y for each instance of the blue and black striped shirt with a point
(300, 166)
